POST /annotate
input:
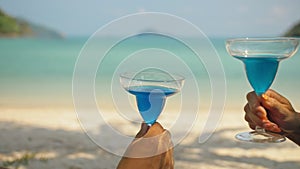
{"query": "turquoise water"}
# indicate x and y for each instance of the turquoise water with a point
(150, 100)
(260, 71)
(38, 72)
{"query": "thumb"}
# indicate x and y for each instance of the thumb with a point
(271, 104)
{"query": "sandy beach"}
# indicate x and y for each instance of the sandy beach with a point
(53, 138)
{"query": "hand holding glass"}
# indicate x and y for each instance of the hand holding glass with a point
(261, 57)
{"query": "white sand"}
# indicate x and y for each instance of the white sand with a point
(54, 139)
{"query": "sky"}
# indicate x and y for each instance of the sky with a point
(225, 18)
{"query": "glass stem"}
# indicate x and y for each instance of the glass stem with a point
(259, 130)
(149, 124)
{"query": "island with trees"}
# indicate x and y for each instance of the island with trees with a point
(11, 27)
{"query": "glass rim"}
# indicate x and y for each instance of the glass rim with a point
(130, 76)
(263, 39)
(263, 46)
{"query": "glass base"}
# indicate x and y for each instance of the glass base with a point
(260, 137)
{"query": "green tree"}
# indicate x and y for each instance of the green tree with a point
(8, 25)
(294, 31)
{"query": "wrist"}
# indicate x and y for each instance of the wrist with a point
(292, 124)
(294, 133)
(297, 123)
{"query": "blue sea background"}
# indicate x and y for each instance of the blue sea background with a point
(37, 73)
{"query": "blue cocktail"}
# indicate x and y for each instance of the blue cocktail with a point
(151, 87)
(261, 71)
(261, 57)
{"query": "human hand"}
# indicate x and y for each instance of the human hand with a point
(152, 148)
(272, 112)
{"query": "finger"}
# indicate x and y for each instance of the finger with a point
(270, 126)
(155, 141)
(261, 113)
(247, 113)
(154, 130)
(252, 126)
(254, 121)
(263, 120)
(267, 125)
(248, 118)
(254, 108)
(253, 100)
(252, 116)
(273, 94)
(256, 115)
(143, 130)
(272, 104)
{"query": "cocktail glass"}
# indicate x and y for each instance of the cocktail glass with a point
(261, 57)
(151, 87)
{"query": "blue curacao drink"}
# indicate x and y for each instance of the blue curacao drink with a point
(261, 71)
(150, 100)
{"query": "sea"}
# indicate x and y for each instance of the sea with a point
(39, 73)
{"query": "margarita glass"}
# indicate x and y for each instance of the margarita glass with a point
(261, 57)
(151, 87)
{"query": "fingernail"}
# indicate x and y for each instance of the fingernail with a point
(264, 96)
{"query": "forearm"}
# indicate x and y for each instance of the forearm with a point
(294, 135)
(295, 138)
